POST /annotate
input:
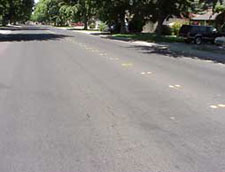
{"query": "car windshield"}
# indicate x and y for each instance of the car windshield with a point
(212, 29)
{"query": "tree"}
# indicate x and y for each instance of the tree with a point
(15, 11)
(40, 12)
(164, 9)
(61, 12)
(48, 11)
(53, 13)
(67, 13)
(117, 12)
(113, 12)
(80, 10)
(4, 6)
(220, 19)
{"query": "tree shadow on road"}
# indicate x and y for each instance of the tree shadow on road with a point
(178, 50)
(75, 29)
(166, 50)
(156, 49)
(101, 34)
(108, 35)
(25, 28)
(30, 37)
(194, 52)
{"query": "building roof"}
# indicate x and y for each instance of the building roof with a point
(208, 16)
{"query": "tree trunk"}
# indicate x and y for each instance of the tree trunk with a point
(4, 21)
(160, 24)
(85, 21)
(85, 25)
(122, 23)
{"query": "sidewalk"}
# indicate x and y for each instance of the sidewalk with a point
(204, 52)
(215, 54)
(4, 30)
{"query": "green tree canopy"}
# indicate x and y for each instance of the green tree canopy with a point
(117, 12)
(16, 10)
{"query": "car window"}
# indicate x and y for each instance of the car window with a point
(211, 29)
(203, 29)
(195, 29)
(185, 29)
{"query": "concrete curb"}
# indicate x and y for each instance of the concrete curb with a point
(183, 49)
(5, 32)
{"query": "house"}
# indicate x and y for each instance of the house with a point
(207, 18)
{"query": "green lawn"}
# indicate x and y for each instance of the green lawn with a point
(149, 37)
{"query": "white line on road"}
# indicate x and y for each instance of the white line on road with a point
(218, 106)
(127, 64)
(214, 107)
(146, 73)
(221, 105)
(176, 86)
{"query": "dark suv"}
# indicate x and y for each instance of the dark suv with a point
(198, 33)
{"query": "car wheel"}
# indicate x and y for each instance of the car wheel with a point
(198, 40)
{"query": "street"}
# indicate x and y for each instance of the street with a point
(73, 102)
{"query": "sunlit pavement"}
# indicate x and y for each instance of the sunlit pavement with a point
(73, 102)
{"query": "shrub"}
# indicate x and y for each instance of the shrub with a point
(176, 27)
(102, 27)
(92, 25)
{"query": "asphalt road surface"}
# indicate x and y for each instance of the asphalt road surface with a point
(72, 102)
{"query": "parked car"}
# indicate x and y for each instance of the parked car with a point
(115, 28)
(220, 41)
(198, 34)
